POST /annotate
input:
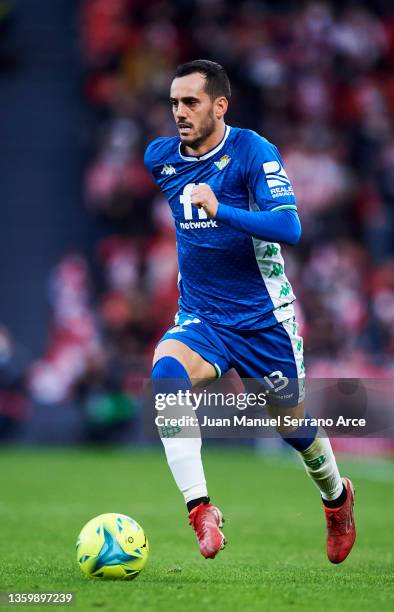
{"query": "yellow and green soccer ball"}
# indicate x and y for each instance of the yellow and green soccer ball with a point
(112, 546)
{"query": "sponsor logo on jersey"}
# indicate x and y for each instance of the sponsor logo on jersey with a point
(168, 169)
(277, 179)
(188, 225)
(189, 211)
(223, 161)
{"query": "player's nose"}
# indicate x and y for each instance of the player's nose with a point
(180, 112)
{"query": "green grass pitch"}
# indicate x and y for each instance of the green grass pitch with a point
(275, 558)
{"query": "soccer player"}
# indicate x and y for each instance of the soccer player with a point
(232, 203)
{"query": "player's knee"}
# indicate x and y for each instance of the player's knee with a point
(173, 349)
(293, 415)
(169, 377)
(300, 430)
(197, 368)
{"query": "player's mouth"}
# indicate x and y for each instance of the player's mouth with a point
(184, 128)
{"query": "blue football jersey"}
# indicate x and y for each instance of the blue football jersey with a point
(225, 276)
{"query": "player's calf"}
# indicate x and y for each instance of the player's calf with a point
(184, 459)
(315, 451)
(183, 453)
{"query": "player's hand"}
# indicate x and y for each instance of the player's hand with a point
(202, 196)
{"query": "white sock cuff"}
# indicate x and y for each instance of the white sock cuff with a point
(199, 490)
(319, 462)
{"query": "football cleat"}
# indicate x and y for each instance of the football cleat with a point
(341, 530)
(207, 521)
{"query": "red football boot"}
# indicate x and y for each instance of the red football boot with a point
(341, 530)
(206, 521)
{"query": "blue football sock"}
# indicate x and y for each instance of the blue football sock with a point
(169, 376)
(302, 437)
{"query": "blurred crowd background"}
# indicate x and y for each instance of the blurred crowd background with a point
(317, 79)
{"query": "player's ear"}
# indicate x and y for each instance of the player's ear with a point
(221, 105)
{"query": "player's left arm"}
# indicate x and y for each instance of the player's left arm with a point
(275, 218)
(276, 226)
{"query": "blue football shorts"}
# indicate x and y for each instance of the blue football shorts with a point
(273, 356)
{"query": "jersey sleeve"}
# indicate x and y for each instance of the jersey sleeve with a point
(265, 176)
(149, 156)
(269, 225)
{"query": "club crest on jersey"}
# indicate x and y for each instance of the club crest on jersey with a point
(277, 179)
(168, 169)
(223, 161)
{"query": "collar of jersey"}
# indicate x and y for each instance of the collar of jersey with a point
(209, 153)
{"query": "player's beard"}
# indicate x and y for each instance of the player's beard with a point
(205, 131)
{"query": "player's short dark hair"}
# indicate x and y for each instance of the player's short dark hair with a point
(216, 80)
